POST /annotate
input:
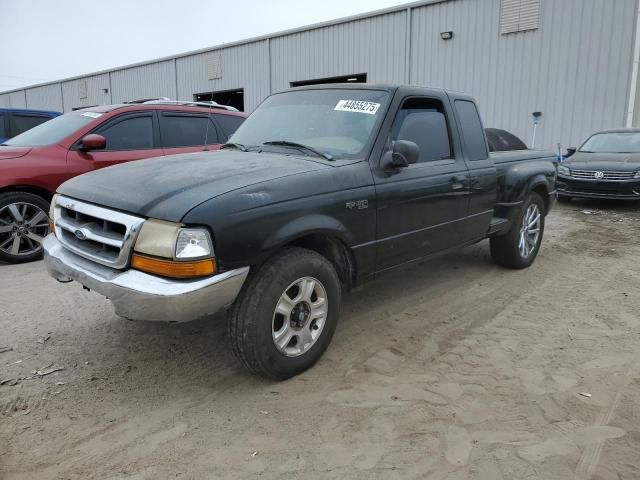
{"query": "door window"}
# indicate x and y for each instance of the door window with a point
(3, 132)
(22, 123)
(186, 130)
(135, 133)
(229, 123)
(423, 121)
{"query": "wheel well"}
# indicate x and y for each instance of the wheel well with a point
(544, 193)
(334, 250)
(41, 192)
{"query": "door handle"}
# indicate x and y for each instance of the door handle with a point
(458, 183)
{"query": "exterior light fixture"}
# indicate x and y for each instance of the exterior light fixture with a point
(446, 35)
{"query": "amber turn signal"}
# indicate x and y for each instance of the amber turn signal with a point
(170, 268)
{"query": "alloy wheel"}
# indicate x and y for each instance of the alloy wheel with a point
(23, 227)
(299, 316)
(529, 231)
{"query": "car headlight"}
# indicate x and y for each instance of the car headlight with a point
(193, 243)
(168, 249)
(637, 175)
(52, 207)
(562, 170)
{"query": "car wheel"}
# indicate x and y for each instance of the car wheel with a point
(285, 317)
(564, 199)
(520, 246)
(23, 225)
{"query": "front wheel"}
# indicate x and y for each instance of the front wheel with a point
(23, 225)
(285, 317)
(520, 246)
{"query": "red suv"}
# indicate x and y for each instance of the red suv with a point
(35, 163)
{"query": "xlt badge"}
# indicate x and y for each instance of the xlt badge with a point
(359, 204)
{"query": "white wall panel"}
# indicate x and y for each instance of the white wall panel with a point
(46, 97)
(244, 66)
(96, 85)
(145, 81)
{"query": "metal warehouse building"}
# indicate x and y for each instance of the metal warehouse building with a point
(574, 61)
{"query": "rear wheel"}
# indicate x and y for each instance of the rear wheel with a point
(285, 317)
(520, 246)
(23, 225)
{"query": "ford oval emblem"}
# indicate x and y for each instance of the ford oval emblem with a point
(599, 175)
(80, 235)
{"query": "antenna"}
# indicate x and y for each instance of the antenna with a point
(206, 133)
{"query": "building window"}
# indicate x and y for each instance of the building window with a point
(519, 16)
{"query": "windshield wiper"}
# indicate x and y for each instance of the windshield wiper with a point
(3, 145)
(239, 146)
(299, 146)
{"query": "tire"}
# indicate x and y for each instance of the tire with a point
(564, 199)
(507, 250)
(20, 238)
(255, 322)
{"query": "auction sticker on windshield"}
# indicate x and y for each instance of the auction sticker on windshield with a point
(357, 106)
(92, 114)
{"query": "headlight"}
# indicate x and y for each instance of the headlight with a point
(52, 227)
(167, 249)
(637, 175)
(562, 170)
(193, 243)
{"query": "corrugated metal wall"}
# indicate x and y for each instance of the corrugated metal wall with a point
(146, 81)
(86, 92)
(13, 99)
(375, 46)
(46, 97)
(243, 66)
(575, 68)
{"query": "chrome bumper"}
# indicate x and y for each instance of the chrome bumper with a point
(140, 296)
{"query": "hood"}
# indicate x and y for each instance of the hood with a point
(626, 162)
(166, 188)
(13, 152)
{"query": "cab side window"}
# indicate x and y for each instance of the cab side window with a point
(424, 122)
(134, 133)
(472, 132)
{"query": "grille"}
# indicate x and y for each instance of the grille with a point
(591, 175)
(99, 234)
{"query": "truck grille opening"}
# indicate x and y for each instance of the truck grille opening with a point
(100, 234)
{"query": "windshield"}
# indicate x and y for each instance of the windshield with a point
(619, 142)
(337, 122)
(52, 131)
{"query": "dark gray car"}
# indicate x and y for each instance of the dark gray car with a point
(607, 165)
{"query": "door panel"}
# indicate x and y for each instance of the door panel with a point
(482, 171)
(129, 137)
(422, 208)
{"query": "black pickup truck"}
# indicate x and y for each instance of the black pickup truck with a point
(319, 190)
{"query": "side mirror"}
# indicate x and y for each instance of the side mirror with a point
(570, 151)
(402, 154)
(93, 142)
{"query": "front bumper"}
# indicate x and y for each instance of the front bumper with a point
(140, 296)
(610, 189)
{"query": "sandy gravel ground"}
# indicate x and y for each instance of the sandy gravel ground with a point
(451, 369)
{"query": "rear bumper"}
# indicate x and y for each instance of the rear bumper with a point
(618, 190)
(140, 296)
